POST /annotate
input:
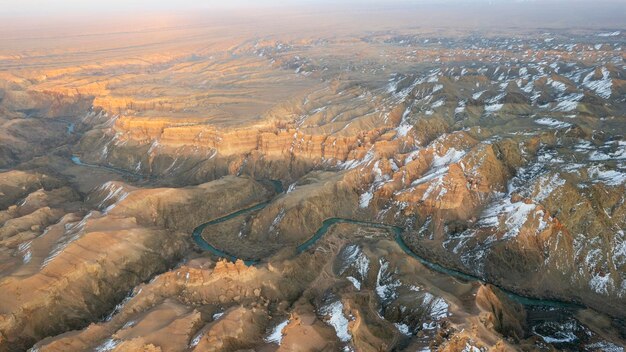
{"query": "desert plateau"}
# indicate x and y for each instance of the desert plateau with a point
(432, 176)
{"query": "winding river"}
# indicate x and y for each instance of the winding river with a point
(330, 222)
(326, 225)
(76, 160)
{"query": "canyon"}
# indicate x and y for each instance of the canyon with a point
(298, 186)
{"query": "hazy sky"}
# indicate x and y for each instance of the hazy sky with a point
(18, 15)
(59, 7)
(25, 7)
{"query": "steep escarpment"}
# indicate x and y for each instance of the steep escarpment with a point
(471, 161)
(381, 191)
(32, 123)
(87, 261)
(200, 151)
(283, 302)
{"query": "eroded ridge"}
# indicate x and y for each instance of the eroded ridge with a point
(303, 189)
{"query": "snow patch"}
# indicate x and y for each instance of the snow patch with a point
(547, 185)
(601, 87)
(608, 177)
(354, 257)
(403, 328)
(491, 108)
(451, 156)
(470, 348)
(600, 283)
(477, 95)
(546, 121)
(355, 282)
(514, 216)
(437, 306)
(337, 320)
(609, 34)
(403, 129)
(276, 336)
(604, 346)
(386, 285)
(73, 231)
(108, 345)
(365, 198)
(553, 332)
(27, 254)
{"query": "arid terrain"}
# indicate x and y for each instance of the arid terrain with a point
(368, 180)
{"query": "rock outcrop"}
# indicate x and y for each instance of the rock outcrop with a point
(377, 190)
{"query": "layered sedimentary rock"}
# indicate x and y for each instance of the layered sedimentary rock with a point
(77, 267)
(343, 180)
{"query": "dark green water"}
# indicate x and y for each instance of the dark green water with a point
(202, 243)
(76, 160)
(328, 223)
